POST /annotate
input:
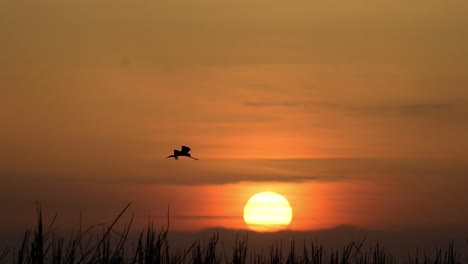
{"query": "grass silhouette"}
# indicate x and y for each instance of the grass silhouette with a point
(111, 246)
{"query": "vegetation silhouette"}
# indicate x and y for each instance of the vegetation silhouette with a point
(152, 246)
(183, 152)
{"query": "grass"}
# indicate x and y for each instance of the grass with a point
(152, 246)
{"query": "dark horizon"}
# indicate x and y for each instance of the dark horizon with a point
(400, 243)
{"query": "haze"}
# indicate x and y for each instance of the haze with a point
(354, 110)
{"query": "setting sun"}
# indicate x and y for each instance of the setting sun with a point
(267, 212)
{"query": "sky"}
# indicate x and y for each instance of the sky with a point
(353, 110)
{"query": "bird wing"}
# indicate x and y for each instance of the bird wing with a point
(185, 149)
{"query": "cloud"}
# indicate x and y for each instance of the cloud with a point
(219, 172)
(201, 217)
(412, 108)
(207, 177)
(289, 103)
(236, 118)
(229, 171)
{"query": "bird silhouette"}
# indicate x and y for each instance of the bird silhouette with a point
(183, 152)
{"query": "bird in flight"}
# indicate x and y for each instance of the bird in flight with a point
(183, 152)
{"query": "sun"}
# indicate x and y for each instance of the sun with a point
(267, 212)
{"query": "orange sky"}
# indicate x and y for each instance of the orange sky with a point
(347, 97)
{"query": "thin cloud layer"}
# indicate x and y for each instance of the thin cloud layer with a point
(410, 109)
(208, 172)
